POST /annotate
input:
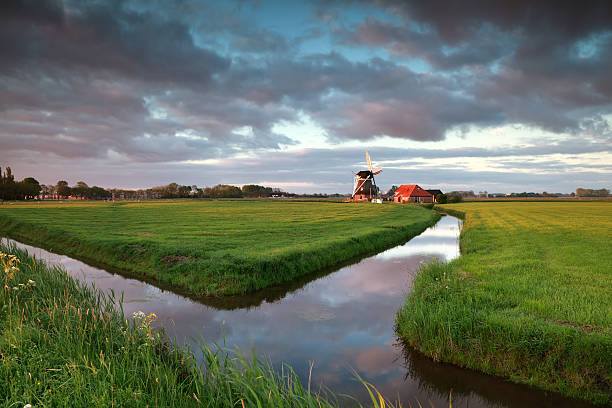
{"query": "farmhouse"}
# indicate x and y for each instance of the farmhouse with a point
(412, 193)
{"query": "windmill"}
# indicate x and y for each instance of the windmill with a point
(364, 186)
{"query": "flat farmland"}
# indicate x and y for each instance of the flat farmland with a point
(213, 247)
(530, 298)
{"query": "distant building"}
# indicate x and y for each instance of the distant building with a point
(412, 193)
(434, 193)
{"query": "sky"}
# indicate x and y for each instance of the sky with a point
(476, 95)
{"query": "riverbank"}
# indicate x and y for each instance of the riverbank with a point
(63, 344)
(214, 248)
(529, 299)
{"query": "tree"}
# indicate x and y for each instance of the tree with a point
(63, 189)
(225, 191)
(455, 197)
(29, 187)
(184, 191)
(81, 189)
(441, 199)
(254, 190)
(588, 192)
(9, 190)
(98, 193)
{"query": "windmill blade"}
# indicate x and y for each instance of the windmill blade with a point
(369, 161)
(358, 185)
(376, 171)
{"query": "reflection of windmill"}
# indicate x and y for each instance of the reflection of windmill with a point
(364, 186)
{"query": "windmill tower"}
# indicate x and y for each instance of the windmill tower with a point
(364, 186)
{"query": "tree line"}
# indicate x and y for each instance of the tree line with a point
(30, 188)
(174, 190)
(10, 189)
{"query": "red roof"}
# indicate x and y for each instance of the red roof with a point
(411, 190)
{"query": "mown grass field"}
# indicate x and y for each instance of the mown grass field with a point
(65, 345)
(530, 299)
(213, 247)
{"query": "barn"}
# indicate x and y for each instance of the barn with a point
(412, 193)
(434, 193)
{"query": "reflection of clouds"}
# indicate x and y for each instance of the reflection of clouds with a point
(377, 276)
(375, 361)
(341, 321)
(446, 252)
(440, 241)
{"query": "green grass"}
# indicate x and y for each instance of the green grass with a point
(214, 247)
(530, 299)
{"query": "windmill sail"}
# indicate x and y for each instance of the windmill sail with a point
(369, 161)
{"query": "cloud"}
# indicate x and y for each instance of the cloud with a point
(541, 64)
(182, 82)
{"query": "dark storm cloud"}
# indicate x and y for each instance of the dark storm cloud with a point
(104, 37)
(78, 78)
(486, 45)
(532, 62)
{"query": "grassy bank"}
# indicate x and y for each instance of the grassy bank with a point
(530, 298)
(64, 345)
(213, 247)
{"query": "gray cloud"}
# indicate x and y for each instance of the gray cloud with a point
(156, 82)
(534, 63)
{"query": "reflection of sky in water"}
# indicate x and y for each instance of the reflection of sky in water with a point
(440, 241)
(342, 321)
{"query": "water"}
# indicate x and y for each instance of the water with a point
(340, 321)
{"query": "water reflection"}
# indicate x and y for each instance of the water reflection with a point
(341, 321)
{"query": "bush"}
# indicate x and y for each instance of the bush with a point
(441, 199)
(455, 198)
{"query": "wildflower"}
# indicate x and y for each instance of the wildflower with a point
(27, 406)
(139, 315)
(31, 282)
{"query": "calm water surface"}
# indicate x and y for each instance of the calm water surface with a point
(340, 321)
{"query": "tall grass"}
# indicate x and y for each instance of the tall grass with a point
(214, 247)
(63, 344)
(529, 299)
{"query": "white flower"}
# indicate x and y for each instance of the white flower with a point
(138, 315)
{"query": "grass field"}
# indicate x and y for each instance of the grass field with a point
(530, 299)
(213, 247)
(65, 345)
